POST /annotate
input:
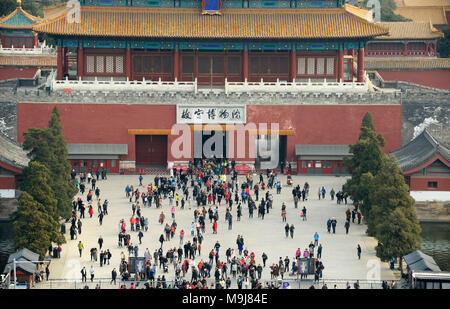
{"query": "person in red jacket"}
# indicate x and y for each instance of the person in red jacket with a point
(215, 227)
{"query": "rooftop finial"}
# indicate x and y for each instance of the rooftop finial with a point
(19, 3)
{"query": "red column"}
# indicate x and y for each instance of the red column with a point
(405, 50)
(245, 64)
(66, 63)
(60, 63)
(293, 65)
(340, 59)
(360, 72)
(128, 63)
(435, 45)
(80, 62)
(35, 41)
(176, 64)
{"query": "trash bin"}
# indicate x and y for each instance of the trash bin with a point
(63, 228)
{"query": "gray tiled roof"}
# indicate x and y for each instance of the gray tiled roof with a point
(418, 151)
(418, 260)
(25, 254)
(12, 153)
(97, 149)
(322, 150)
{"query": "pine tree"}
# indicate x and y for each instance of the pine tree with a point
(367, 159)
(387, 192)
(399, 234)
(36, 184)
(60, 168)
(31, 226)
(48, 146)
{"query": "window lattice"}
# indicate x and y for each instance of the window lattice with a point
(330, 66)
(90, 64)
(119, 64)
(100, 64)
(320, 66)
(301, 66)
(311, 66)
(109, 64)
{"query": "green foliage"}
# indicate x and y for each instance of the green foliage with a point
(399, 234)
(31, 226)
(29, 6)
(60, 168)
(36, 184)
(367, 158)
(443, 45)
(387, 192)
(48, 146)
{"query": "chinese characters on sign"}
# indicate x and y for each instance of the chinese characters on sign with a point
(211, 114)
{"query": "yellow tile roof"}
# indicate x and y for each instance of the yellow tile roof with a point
(434, 14)
(406, 63)
(232, 23)
(401, 3)
(28, 61)
(410, 30)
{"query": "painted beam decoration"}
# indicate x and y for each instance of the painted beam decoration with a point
(210, 114)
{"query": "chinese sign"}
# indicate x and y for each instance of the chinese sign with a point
(226, 114)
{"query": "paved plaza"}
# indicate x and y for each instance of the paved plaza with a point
(339, 255)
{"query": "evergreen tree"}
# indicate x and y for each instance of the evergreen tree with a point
(60, 168)
(36, 184)
(387, 192)
(48, 146)
(367, 159)
(32, 226)
(399, 234)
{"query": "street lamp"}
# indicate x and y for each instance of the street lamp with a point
(18, 262)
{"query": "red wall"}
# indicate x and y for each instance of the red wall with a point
(330, 125)
(8, 182)
(437, 78)
(313, 124)
(421, 184)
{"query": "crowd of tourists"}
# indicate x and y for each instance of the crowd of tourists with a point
(202, 188)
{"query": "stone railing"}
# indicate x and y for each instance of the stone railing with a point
(296, 87)
(43, 50)
(143, 87)
(119, 86)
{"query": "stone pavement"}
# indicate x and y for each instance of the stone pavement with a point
(339, 255)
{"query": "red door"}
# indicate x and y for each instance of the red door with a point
(151, 149)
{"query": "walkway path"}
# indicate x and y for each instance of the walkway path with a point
(339, 250)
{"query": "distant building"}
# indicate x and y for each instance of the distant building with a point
(16, 29)
(435, 11)
(408, 54)
(425, 164)
(12, 160)
(22, 57)
(26, 267)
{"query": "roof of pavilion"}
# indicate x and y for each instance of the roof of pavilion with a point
(28, 61)
(410, 30)
(18, 19)
(435, 14)
(406, 63)
(341, 23)
(419, 151)
(12, 154)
